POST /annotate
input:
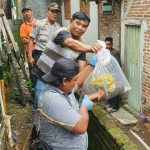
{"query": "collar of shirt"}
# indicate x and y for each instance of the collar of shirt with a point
(47, 22)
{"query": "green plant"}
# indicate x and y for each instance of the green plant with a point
(28, 83)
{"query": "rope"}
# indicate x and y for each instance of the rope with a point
(40, 113)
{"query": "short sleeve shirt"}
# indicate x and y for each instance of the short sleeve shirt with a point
(63, 109)
(42, 32)
(61, 37)
(25, 30)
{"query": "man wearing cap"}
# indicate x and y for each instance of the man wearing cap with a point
(58, 102)
(66, 42)
(27, 26)
(42, 31)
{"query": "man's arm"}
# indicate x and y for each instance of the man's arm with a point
(30, 48)
(24, 40)
(82, 124)
(80, 47)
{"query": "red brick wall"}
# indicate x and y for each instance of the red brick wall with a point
(139, 10)
(109, 25)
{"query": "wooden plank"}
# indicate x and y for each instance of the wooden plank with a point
(1, 13)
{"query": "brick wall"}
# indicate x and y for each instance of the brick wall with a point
(109, 24)
(139, 10)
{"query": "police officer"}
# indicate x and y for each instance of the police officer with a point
(41, 32)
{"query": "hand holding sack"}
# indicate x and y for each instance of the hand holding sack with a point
(107, 76)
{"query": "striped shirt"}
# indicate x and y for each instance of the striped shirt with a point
(63, 108)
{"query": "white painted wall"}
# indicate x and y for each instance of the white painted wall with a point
(91, 35)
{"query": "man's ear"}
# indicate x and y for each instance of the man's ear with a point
(64, 81)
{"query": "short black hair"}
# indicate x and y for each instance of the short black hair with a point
(81, 16)
(109, 39)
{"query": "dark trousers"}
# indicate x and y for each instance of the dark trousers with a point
(114, 102)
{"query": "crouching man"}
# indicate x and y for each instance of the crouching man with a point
(69, 129)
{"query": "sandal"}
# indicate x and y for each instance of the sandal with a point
(107, 106)
(113, 110)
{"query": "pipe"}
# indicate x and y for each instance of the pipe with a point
(142, 142)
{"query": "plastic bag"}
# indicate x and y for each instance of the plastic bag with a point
(107, 76)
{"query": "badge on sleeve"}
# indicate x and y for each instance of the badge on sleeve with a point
(44, 26)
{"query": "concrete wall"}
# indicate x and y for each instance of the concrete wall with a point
(110, 24)
(139, 10)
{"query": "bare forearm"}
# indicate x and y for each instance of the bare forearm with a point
(83, 75)
(30, 47)
(25, 40)
(76, 45)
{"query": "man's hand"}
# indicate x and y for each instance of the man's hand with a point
(95, 48)
(87, 102)
(31, 61)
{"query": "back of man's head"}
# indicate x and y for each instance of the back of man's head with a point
(81, 16)
(110, 39)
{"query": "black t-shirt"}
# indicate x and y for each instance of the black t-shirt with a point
(61, 37)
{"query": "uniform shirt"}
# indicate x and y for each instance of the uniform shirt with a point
(63, 108)
(42, 32)
(25, 30)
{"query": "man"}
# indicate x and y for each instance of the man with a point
(42, 32)
(66, 42)
(59, 103)
(25, 30)
(113, 103)
(27, 26)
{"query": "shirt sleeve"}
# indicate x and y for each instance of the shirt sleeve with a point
(61, 111)
(82, 56)
(23, 33)
(61, 37)
(35, 30)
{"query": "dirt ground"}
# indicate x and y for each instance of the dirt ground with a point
(21, 122)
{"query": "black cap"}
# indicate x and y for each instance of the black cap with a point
(54, 6)
(27, 7)
(63, 67)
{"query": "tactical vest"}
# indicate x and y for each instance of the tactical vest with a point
(53, 52)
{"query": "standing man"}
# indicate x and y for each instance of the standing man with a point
(113, 103)
(42, 32)
(25, 30)
(66, 42)
(27, 26)
(69, 132)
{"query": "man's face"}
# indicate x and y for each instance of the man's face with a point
(108, 45)
(78, 27)
(69, 85)
(52, 15)
(27, 14)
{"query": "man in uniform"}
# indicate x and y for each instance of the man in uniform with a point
(41, 32)
(113, 103)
